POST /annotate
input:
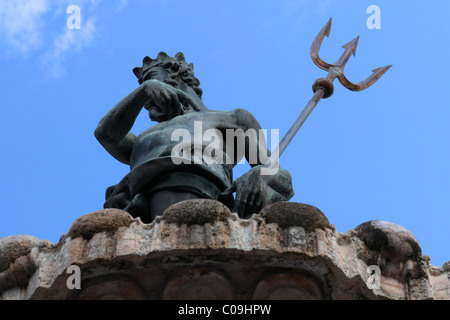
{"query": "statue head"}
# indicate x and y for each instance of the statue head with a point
(173, 71)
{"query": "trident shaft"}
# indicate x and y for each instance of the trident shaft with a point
(323, 88)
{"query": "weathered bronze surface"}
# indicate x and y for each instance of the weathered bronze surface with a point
(171, 94)
(160, 177)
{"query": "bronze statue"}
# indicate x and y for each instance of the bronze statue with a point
(159, 174)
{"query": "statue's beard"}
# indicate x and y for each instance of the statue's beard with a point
(164, 113)
(157, 115)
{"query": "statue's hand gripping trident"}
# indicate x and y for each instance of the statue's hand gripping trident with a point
(324, 88)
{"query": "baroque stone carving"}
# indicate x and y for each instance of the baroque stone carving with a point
(222, 256)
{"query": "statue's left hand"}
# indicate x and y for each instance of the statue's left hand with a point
(255, 191)
(249, 193)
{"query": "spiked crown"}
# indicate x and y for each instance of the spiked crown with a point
(176, 66)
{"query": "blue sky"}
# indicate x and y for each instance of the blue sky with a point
(380, 154)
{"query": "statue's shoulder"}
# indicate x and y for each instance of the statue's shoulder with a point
(245, 118)
(241, 112)
(238, 116)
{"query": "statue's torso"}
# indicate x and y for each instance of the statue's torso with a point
(156, 142)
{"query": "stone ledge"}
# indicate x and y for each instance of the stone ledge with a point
(200, 250)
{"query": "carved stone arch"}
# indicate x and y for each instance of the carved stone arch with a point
(109, 287)
(289, 286)
(198, 284)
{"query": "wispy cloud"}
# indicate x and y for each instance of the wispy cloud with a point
(24, 29)
(69, 41)
(21, 23)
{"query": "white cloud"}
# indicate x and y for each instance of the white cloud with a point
(68, 41)
(23, 26)
(74, 40)
(22, 23)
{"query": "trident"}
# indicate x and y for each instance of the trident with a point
(323, 88)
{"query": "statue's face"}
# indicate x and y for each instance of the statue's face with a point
(157, 73)
(163, 74)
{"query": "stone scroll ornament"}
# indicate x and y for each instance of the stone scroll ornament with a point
(169, 162)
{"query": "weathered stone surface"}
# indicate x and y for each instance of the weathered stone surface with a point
(107, 220)
(440, 277)
(16, 261)
(15, 247)
(121, 288)
(198, 284)
(225, 258)
(289, 214)
(393, 248)
(289, 286)
(197, 211)
(390, 239)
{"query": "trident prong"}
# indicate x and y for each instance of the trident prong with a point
(316, 47)
(324, 88)
(337, 69)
